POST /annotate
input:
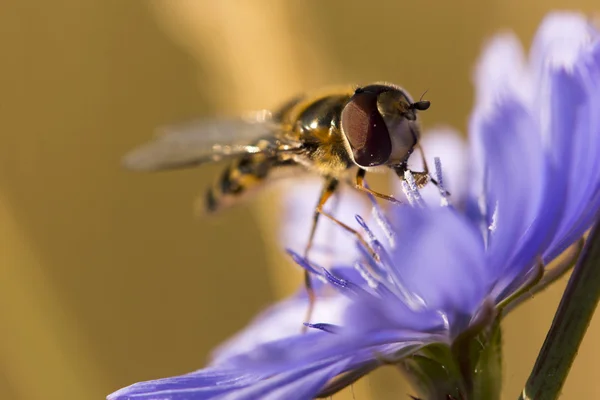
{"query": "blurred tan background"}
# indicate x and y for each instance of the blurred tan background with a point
(105, 276)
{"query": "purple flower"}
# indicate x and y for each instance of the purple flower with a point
(443, 275)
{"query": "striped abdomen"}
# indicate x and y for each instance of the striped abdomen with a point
(239, 178)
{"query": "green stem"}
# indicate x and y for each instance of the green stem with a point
(572, 318)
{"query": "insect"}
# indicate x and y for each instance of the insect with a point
(330, 133)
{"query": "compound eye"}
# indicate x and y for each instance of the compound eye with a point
(366, 130)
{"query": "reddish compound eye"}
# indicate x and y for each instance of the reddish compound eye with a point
(366, 131)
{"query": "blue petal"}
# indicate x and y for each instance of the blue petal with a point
(565, 60)
(501, 69)
(561, 120)
(559, 42)
(509, 171)
(204, 384)
(584, 179)
(316, 346)
(440, 258)
(300, 383)
(540, 165)
(519, 194)
(280, 321)
(390, 313)
(303, 383)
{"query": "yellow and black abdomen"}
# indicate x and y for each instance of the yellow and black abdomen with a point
(240, 178)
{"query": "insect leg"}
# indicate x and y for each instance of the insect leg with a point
(360, 185)
(328, 190)
(424, 160)
(331, 185)
(422, 178)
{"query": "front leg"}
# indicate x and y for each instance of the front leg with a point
(422, 178)
(360, 185)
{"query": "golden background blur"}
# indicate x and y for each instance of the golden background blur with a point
(106, 278)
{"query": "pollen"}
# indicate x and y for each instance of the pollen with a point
(410, 189)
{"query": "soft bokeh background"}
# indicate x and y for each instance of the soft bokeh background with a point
(105, 276)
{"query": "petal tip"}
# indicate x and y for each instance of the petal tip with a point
(561, 38)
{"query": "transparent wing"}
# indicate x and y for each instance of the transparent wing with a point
(204, 141)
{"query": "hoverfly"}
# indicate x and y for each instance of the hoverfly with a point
(329, 133)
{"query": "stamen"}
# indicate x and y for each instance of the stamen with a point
(304, 264)
(408, 193)
(329, 328)
(438, 172)
(385, 226)
(445, 320)
(393, 283)
(377, 267)
(411, 191)
(340, 283)
(494, 223)
(370, 236)
(416, 302)
(381, 220)
(439, 176)
(371, 281)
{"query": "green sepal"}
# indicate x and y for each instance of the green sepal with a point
(487, 375)
(468, 369)
(433, 373)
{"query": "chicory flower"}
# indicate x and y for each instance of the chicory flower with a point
(441, 277)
